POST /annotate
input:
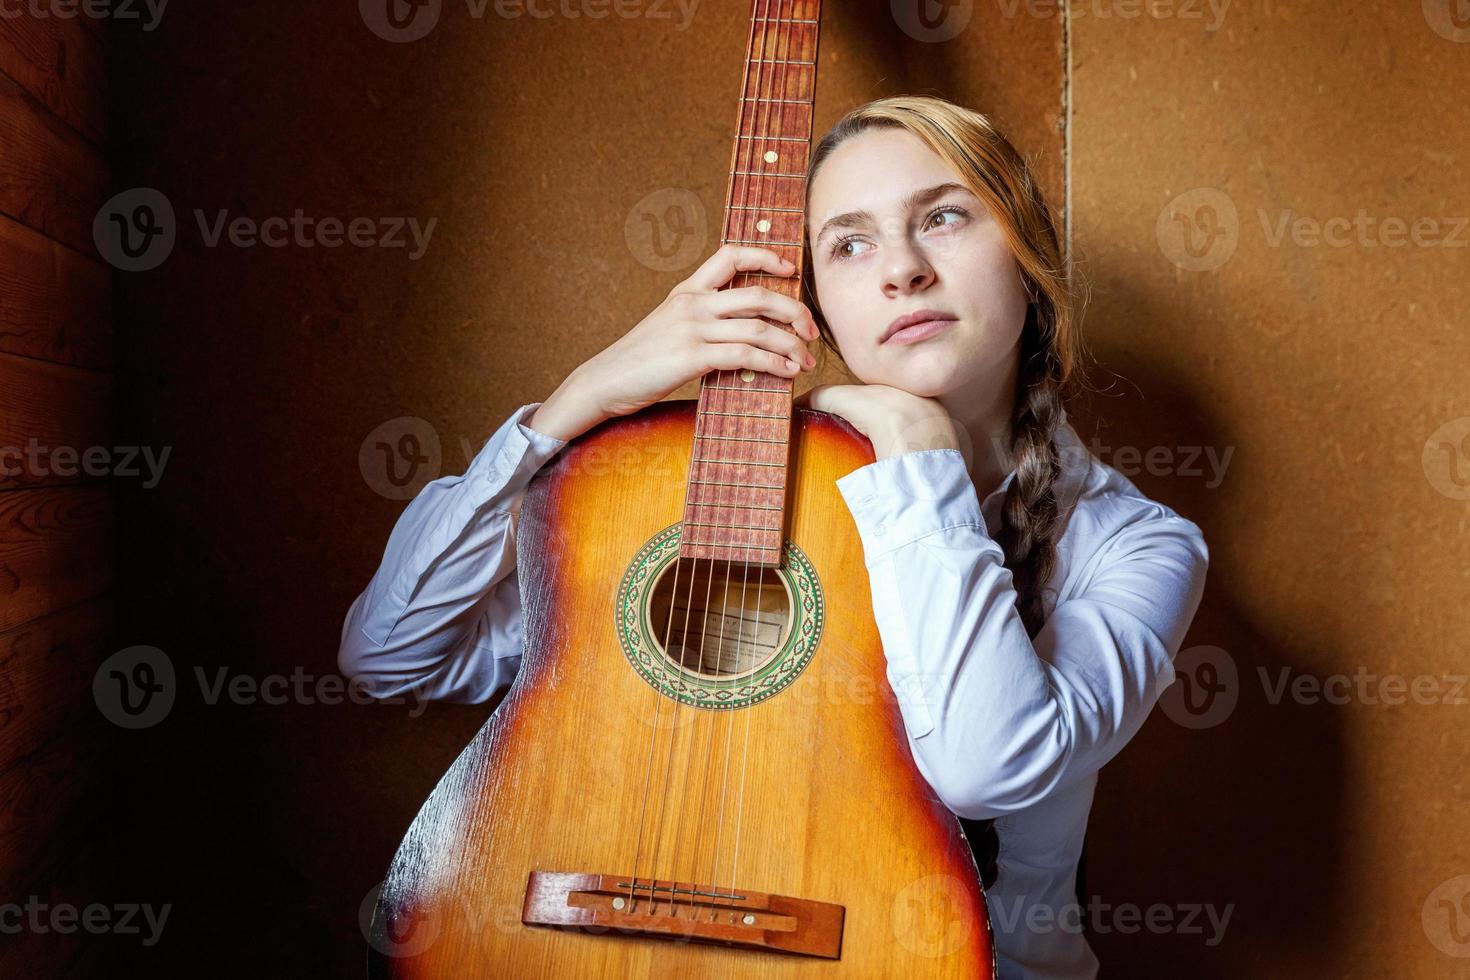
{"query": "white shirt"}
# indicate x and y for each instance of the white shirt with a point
(999, 726)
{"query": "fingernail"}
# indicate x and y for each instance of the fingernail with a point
(792, 365)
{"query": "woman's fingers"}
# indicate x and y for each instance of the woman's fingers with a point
(727, 260)
(759, 333)
(748, 301)
(733, 357)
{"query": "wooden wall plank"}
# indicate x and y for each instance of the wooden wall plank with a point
(51, 179)
(58, 303)
(51, 417)
(59, 60)
(46, 709)
(55, 549)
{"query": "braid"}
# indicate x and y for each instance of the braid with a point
(1029, 523)
(1029, 512)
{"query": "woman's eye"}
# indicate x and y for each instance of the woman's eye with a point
(955, 213)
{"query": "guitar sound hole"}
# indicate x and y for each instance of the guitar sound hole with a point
(719, 619)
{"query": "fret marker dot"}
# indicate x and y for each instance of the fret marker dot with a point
(763, 226)
(747, 375)
(772, 156)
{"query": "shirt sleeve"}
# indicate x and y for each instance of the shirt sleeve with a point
(996, 722)
(441, 616)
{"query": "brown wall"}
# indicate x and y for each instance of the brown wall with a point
(56, 514)
(535, 145)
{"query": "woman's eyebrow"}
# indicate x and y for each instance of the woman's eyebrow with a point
(856, 219)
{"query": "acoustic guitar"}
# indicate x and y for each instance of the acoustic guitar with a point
(700, 769)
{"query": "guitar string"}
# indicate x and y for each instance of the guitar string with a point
(782, 33)
(758, 15)
(725, 396)
(707, 394)
(658, 701)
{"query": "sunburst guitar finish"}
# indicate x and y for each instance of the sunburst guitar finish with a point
(701, 779)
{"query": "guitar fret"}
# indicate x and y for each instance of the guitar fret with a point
(743, 207)
(765, 173)
(751, 486)
(782, 20)
(788, 139)
(780, 442)
(759, 241)
(732, 462)
(781, 391)
(737, 527)
(785, 101)
(778, 61)
(748, 415)
(705, 503)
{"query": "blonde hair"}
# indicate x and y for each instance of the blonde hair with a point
(1052, 352)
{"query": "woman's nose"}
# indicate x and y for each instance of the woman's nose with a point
(907, 269)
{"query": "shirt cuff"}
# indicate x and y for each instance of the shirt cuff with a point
(896, 501)
(511, 457)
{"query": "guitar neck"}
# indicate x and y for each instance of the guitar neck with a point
(735, 506)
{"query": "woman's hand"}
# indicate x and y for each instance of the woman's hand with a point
(698, 328)
(894, 420)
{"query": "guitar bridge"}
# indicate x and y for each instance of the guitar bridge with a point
(683, 911)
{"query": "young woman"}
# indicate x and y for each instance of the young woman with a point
(1030, 599)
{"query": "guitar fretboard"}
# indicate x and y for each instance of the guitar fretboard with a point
(735, 508)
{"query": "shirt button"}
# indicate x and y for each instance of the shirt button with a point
(880, 529)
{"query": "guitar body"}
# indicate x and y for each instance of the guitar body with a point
(783, 795)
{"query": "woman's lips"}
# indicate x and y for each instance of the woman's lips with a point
(916, 332)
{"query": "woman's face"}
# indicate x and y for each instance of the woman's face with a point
(921, 245)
